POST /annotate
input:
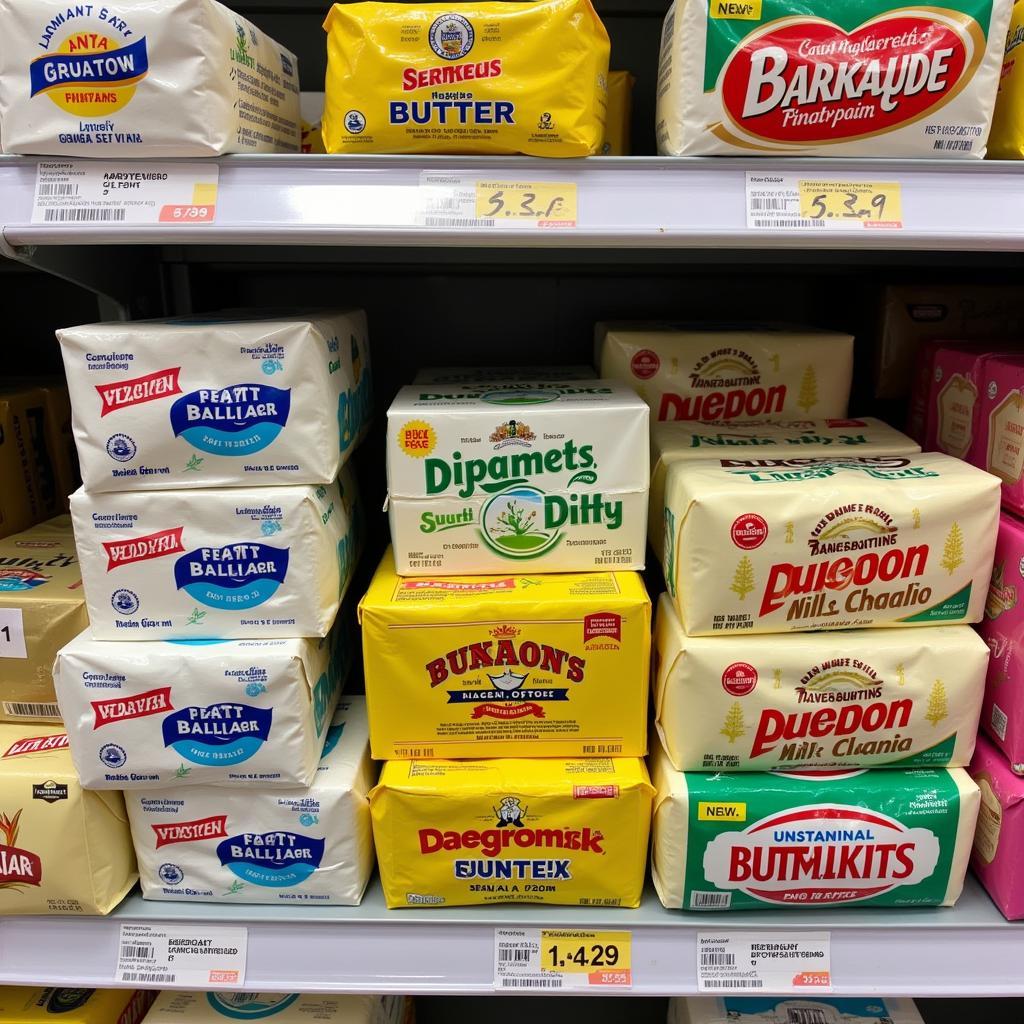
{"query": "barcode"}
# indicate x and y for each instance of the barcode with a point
(531, 982)
(780, 203)
(134, 952)
(21, 709)
(737, 983)
(999, 721)
(703, 900)
(603, 748)
(516, 955)
(808, 1015)
(414, 751)
(718, 959)
(159, 979)
(456, 222)
(609, 902)
(785, 222)
(53, 189)
(85, 213)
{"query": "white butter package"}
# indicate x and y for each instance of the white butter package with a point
(164, 78)
(219, 712)
(239, 563)
(515, 476)
(774, 545)
(231, 399)
(462, 375)
(805, 1008)
(291, 1008)
(865, 698)
(299, 847)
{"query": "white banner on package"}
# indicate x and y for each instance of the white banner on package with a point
(124, 192)
(764, 962)
(186, 957)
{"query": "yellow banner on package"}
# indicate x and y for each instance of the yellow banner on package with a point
(470, 78)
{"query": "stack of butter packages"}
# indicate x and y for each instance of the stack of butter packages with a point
(790, 560)
(218, 527)
(506, 643)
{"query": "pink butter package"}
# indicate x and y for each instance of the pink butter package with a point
(921, 387)
(999, 447)
(999, 840)
(951, 415)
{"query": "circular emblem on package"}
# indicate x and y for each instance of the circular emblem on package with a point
(739, 679)
(112, 756)
(355, 122)
(451, 36)
(512, 523)
(417, 439)
(125, 602)
(170, 874)
(993, 389)
(254, 1005)
(121, 448)
(519, 396)
(645, 364)
(749, 531)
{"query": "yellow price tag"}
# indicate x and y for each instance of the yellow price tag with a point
(548, 204)
(604, 956)
(852, 203)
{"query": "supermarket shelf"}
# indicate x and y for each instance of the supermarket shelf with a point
(968, 950)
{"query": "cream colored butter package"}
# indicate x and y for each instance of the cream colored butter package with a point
(310, 846)
(231, 399)
(712, 374)
(866, 698)
(801, 1008)
(233, 563)
(512, 830)
(218, 1007)
(830, 78)
(678, 441)
(63, 850)
(161, 79)
(547, 665)
(42, 607)
(774, 545)
(498, 477)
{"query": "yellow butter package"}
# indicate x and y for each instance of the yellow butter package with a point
(514, 830)
(549, 665)
(1006, 142)
(24, 1005)
(481, 78)
(617, 129)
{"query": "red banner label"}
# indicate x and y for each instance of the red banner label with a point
(126, 393)
(191, 831)
(19, 867)
(501, 711)
(602, 624)
(141, 549)
(37, 745)
(152, 702)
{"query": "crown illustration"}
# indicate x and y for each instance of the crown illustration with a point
(505, 632)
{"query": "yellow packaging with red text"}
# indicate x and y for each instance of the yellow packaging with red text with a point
(1006, 141)
(470, 78)
(512, 830)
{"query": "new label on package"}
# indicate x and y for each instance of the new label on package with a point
(161, 79)
(769, 840)
(798, 700)
(775, 545)
(517, 476)
(514, 830)
(306, 846)
(550, 665)
(226, 400)
(235, 563)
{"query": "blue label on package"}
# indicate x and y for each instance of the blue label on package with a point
(218, 734)
(236, 420)
(274, 859)
(236, 576)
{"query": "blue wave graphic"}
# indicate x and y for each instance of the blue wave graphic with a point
(250, 421)
(248, 596)
(272, 859)
(241, 749)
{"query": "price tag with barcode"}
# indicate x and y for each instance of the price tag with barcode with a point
(557, 959)
(798, 201)
(763, 962)
(456, 200)
(187, 957)
(97, 192)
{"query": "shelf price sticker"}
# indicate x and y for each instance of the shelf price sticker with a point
(789, 201)
(95, 192)
(193, 956)
(770, 962)
(552, 959)
(457, 200)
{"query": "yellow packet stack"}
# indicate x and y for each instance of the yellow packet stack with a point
(617, 134)
(1006, 142)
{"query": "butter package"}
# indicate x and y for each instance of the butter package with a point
(73, 1005)
(227, 713)
(217, 1007)
(22, 501)
(42, 607)
(512, 830)
(164, 79)
(999, 839)
(63, 850)
(712, 374)
(999, 447)
(233, 399)
(805, 1008)
(618, 127)
(463, 375)
(775, 545)
(309, 846)
(678, 441)
(1007, 139)
(830, 78)
(239, 563)
(550, 476)
(492, 78)
(882, 697)
(551, 665)
(951, 418)
(761, 841)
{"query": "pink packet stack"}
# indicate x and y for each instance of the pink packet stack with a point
(999, 447)
(951, 415)
(921, 387)
(999, 840)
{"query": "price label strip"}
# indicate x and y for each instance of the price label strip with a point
(459, 201)
(188, 957)
(542, 960)
(781, 201)
(98, 192)
(768, 962)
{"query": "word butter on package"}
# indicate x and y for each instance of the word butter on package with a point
(63, 850)
(805, 1008)
(829, 78)
(802, 700)
(552, 477)
(773, 545)
(512, 830)
(159, 79)
(291, 1008)
(757, 841)
(235, 563)
(309, 845)
(709, 374)
(552, 665)
(225, 712)
(226, 400)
